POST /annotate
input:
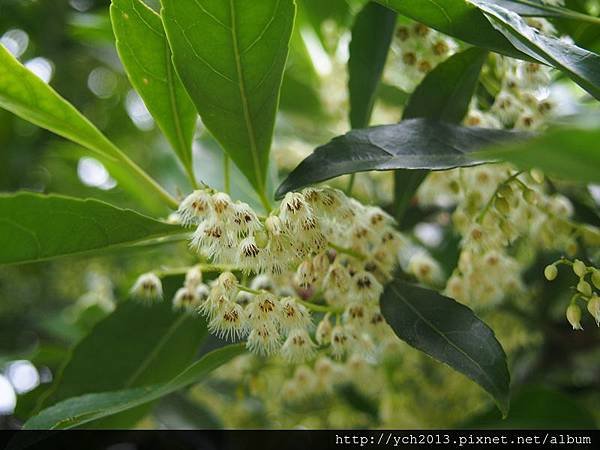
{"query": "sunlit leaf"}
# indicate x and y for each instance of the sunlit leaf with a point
(36, 227)
(230, 56)
(86, 408)
(145, 53)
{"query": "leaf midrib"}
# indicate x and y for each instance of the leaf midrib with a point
(439, 332)
(244, 99)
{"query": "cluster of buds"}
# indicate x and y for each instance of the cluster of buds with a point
(585, 290)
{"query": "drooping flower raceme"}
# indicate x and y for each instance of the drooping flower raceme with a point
(320, 251)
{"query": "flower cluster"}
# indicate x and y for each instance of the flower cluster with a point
(584, 289)
(320, 251)
(416, 49)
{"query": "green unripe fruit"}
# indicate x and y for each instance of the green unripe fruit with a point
(574, 316)
(596, 278)
(593, 307)
(551, 272)
(579, 268)
(585, 288)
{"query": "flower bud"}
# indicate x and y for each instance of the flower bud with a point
(574, 316)
(147, 287)
(193, 277)
(530, 196)
(323, 333)
(551, 272)
(502, 205)
(593, 307)
(537, 175)
(596, 278)
(579, 268)
(585, 288)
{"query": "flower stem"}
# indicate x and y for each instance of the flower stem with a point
(347, 251)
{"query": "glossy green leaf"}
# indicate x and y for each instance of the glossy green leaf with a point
(230, 56)
(411, 144)
(568, 153)
(581, 65)
(35, 227)
(449, 332)
(536, 8)
(444, 94)
(27, 96)
(86, 408)
(371, 38)
(145, 53)
(456, 18)
(538, 407)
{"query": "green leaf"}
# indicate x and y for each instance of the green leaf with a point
(159, 344)
(27, 96)
(145, 53)
(536, 8)
(371, 38)
(581, 65)
(230, 55)
(568, 153)
(35, 227)
(86, 408)
(449, 332)
(538, 407)
(444, 94)
(456, 18)
(411, 144)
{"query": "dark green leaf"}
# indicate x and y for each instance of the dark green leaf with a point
(581, 65)
(568, 153)
(411, 144)
(86, 408)
(35, 227)
(145, 53)
(371, 38)
(444, 94)
(230, 56)
(134, 346)
(449, 332)
(537, 407)
(456, 18)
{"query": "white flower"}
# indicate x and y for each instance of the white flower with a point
(193, 277)
(366, 287)
(228, 323)
(185, 299)
(323, 333)
(202, 292)
(293, 210)
(264, 309)
(228, 282)
(248, 254)
(264, 339)
(298, 347)
(216, 301)
(293, 314)
(262, 282)
(147, 287)
(245, 221)
(195, 207)
(341, 340)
